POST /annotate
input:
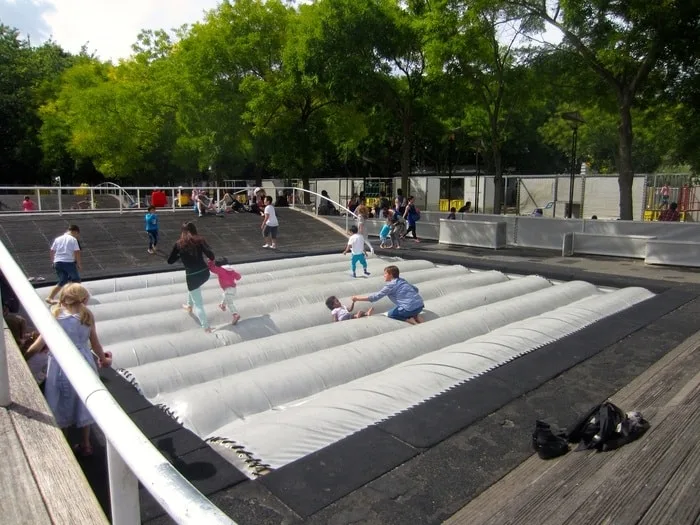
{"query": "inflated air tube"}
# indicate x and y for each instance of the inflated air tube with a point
(162, 279)
(290, 432)
(173, 374)
(154, 348)
(205, 407)
(256, 285)
(340, 269)
(177, 276)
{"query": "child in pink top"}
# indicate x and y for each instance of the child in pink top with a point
(27, 204)
(227, 280)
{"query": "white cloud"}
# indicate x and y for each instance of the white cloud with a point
(108, 27)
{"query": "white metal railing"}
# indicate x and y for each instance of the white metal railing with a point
(299, 203)
(127, 198)
(131, 456)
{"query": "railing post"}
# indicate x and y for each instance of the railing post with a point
(92, 198)
(138, 198)
(123, 490)
(38, 198)
(172, 197)
(4, 373)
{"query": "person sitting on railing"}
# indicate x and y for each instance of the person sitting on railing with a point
(326, 206)
(79, 324)
(204, 203)
(228, 204)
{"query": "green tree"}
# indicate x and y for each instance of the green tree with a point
(27, 78)
(623, 43)
(477, 49)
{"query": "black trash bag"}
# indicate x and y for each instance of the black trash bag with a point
(547, 443)
(607, 427)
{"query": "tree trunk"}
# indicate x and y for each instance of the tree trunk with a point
(497, 181)
(625, 167)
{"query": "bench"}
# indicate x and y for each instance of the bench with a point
(633, 246)
(481, 234)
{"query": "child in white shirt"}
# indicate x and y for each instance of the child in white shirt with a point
(343, 313)
(356, 243)
(270, 224)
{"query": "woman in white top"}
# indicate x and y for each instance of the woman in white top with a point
(269, 224)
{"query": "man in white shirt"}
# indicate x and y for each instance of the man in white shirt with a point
(356, 244)
(65, 257)
(269, 224)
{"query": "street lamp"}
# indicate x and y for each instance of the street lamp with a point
(449, 175)
(574, 119)
(57, 180)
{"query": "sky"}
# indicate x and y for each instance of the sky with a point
(107, 27)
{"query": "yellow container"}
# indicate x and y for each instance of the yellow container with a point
(183, 200)
(83, 190)
(446, 204)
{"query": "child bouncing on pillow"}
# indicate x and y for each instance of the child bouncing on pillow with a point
(227, 280)
(343, 313)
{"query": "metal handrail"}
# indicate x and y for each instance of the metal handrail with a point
(127, 446)
(337, 204)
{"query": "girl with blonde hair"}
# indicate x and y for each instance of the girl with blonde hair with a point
(79, 323)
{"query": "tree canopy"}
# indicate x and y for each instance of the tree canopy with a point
(362, 87)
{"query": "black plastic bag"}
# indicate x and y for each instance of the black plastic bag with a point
(548, 444)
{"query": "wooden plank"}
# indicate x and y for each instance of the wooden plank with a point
(678, 501)
(625, 497)
(61, 483)
(601, 485)
(21, 501)
(567, 492)
(536, 483)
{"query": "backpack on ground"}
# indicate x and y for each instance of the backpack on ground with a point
(607, 427)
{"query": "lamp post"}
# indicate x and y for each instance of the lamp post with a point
(449, 175)
(574, 119)
(57, 179)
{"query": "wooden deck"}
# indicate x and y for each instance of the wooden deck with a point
(654, 481)
(40, 479)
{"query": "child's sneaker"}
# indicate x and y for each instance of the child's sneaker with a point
(222, 307)
(366, 272)
(266, 245)
(236, 317)
(354, 275)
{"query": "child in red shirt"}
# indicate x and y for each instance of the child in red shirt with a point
(227, 280)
